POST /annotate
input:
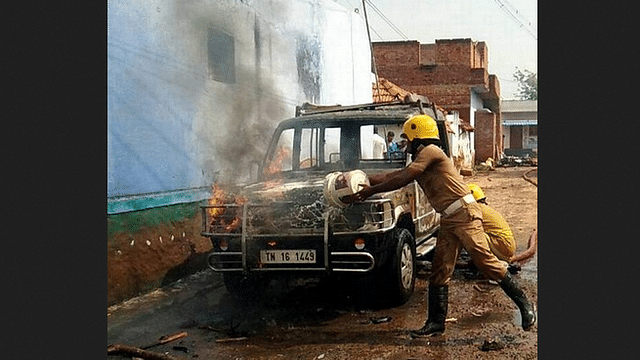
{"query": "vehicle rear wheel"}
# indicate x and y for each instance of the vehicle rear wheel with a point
(401, 272)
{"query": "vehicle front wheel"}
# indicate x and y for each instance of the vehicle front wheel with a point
(245, 288)
(401, 272)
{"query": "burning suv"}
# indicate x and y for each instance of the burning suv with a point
(284, 225)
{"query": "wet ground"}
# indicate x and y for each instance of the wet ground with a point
(304, 319)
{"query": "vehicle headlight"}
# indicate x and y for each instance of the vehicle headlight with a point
(379, 214)
(373, 215)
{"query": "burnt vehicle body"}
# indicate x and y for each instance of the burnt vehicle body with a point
(283, 225)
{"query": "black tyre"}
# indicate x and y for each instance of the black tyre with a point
(245, 288)
(400, 275)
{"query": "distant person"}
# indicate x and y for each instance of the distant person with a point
(379, 145)
(460, 221)
(402, 145)
(391, 145)
(394, 151)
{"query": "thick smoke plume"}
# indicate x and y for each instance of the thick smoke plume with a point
(234, 121)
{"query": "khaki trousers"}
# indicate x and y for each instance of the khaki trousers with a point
(463, 229)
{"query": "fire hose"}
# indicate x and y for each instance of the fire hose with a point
(526, 255)
(528, 178)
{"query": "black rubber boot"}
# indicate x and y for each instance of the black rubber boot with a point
(438, 298)
(527, 310)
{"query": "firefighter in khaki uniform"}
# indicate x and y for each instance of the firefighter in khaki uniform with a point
(496, 229)
(460, 224)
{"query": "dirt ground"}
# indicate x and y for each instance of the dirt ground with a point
(316, 320)
(153, 255)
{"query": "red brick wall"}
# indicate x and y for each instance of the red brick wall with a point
(455, 52)
(450, 97)
(428, 53)
(443, 94)
(397, 54)
(413, 67)
(401, 63)
(481, 55)
(443, 72)
(485, 136)
(494, 84)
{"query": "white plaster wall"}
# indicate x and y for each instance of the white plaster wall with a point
(476, 104)
(460, 141)
(346, 74)
(170, 126)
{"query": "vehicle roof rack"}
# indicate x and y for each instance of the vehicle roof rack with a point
(410, 100)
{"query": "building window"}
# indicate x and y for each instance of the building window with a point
(533, 130)
(222, 63)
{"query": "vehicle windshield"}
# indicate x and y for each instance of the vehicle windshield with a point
(326, 147)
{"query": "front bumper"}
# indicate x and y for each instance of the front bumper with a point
(330, 240)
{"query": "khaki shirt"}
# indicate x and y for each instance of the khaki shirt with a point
(441, 182)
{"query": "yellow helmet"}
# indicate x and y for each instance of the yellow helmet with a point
(477, 192)
(420, 127)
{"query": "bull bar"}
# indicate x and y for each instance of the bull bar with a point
(338, 261)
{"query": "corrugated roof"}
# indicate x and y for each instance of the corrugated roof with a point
(519, 122)
(387, 91)
(519, 105)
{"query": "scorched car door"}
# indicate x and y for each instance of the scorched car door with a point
(425, 214)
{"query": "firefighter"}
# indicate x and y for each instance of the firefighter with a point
(496, 229)
(460, 224)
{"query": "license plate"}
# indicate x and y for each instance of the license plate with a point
(288, 256)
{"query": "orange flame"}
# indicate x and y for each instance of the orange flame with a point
(274, 170)
(275, 166)
(226, 219)
(217, 198)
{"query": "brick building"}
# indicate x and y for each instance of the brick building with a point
(452, 73)
(520, 127)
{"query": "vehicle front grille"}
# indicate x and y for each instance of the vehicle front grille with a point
(291, 218)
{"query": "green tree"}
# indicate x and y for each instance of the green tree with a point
(527, 84)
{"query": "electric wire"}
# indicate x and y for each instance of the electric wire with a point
(519, 13)
(370, 27)
(385, 19)
(375, 32)
(511, 81)
(515, 18)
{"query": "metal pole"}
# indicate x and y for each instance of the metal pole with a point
(373, 58)
(243, 244)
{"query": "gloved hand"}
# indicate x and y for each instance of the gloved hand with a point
(514, 268)
(359, 196)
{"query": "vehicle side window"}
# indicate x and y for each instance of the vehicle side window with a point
(373, 144)
(366, 142)
(309, 148)
(332, 145)
(281, 158)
